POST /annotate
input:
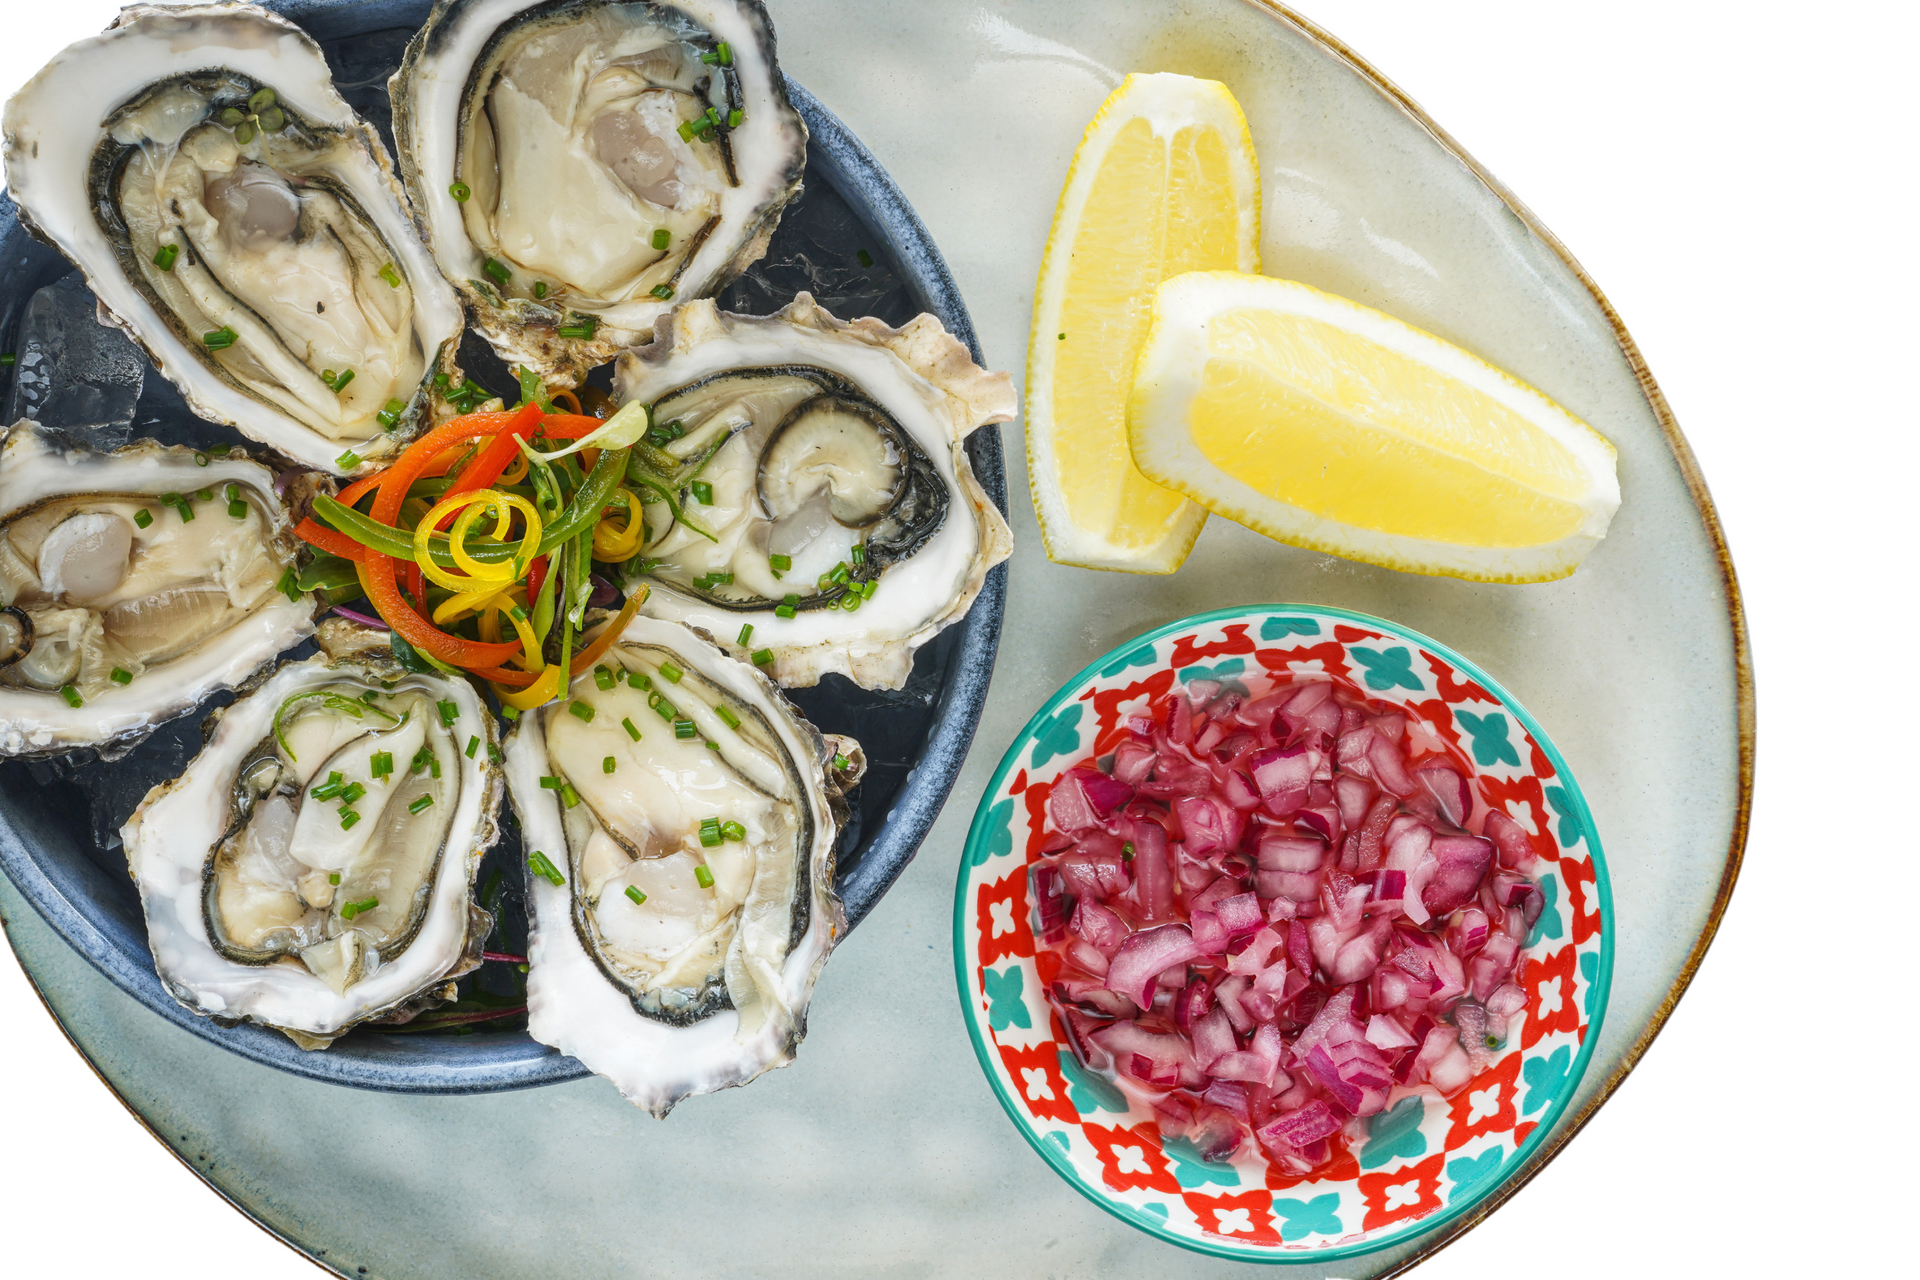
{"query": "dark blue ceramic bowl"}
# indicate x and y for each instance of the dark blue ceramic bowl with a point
(854, 242)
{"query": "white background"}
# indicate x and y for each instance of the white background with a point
(1739, 179)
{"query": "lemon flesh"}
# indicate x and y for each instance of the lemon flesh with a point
(1328, 425)
(1164, 182)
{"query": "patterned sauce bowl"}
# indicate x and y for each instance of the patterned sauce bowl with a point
(1423, 1161)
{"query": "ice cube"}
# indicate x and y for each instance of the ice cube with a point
(75, 374)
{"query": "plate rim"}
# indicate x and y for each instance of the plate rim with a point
(1601, 988)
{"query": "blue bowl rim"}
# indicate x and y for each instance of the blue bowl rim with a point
(1057, 1161)
(411, 1066)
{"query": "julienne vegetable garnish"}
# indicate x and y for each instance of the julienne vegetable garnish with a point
(477, 546)
(1264, 913)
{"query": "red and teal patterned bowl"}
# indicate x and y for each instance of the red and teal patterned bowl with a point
(1425, 1160)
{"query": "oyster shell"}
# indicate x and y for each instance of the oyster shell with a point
(121, 610)
(235, 216)
(838, 448)
(612, 155)
(313, 868)
(682, 819)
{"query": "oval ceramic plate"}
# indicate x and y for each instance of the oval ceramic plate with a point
(1426, 1160)
(853, 240)
(882, 1147)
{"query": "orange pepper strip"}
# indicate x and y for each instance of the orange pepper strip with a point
(411, 465)
(507, 675)
(377, 580)
(570, 426)
(313, 533)
(585, 659)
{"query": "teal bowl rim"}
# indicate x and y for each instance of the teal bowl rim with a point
(1601, 988)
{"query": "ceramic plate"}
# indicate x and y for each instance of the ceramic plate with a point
(1425, 1160)
(883, 1148)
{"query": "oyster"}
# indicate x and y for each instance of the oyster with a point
(241, 223)
(313, 868)
(578, 164)
(132, 585)
(682, 818)
(824, 514)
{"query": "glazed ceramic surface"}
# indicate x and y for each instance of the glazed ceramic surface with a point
(883, 1148)
(1425, 1160)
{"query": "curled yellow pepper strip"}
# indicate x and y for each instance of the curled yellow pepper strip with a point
(612, 544)
(516, 470)
(493, 595)
(537, 694)
(472, 506)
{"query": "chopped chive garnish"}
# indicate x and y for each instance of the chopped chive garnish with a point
(473, 745)
(632, 732)
(237, 509)
(231, 492)
(859, 553)
(333, 877)
(608, 765)
(664, 292)
(746, 635)
(581, 711)
(604, 679)
(186, 512)
(735, 117)
(204, 495)
(683, 728)
(726, 713)
(671, 672)
(663, 707)
(702, 492)
(497, 270)
(391, 276)
(841, 574)
(633, 891)
(389, 415)
(340, 383)
(583, 332)
(168, 255)
(289, 585)
(551, 784)
(347, 461)
(347, 818)
(686, 131)
(852, 601)
(725, 51)
(143, 517)
(353, 792)
(864, 258)
(639, 680)
(449, 711)
(493, 754)
(568, 796)
(733, 831)
(71, 694)
(460, 191)
(8, 359)
(709, 835)
(420, 806)
(700, 873)
(121, 676)
(542, 867)
(509, 714)
(170, 499)
(782, 563)
(662, 238)
(840, 764)
(868, 587)
(330, 788)
(220, 339)
(783, 611)
(761, 657)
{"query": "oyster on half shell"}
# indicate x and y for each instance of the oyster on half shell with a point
(235, 216)
(681, 820)
(818, 511)
(132, 585)
(313, 868)
(579, 164)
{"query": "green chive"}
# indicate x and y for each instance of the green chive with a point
(568, 796)
(702, 492)
(542, 867)
(608, 765)
(632, 732)
(780, 562)
(449, 711)
(671, 672)
(498, 271)
(473, 745)
(460, 191)
(735, 117)
(783, 611)
(493, 753)
(683, 729)
(733, 831)
(71, 694)
(333, 877)
(347, 461)
(864, 258)
(420, 806)
(761, 657)
(205, 495)
(725, 51)
(289, 585)
(391, 276)
(726, 714)
(859, 553)
(700, 873)
(369, 696)
(686, 131)
(362, 907)
(143, 517)
(1063, 337)
(841, 574)
(168, 255)
(746, 634)
(121, 676)
(852, 601)
(582, 712)
(353, 792)
(664, 292)
(639, 680)
(220, 339)
(550, 784)
(709, 833)
(389, 415)
(237, 509)
(840, 764)
(868, 587)
(347, 818)
(633, 891)
(340, 383)
(8, 359)
(186, 512)
(603, 679)
(665, 708)
(662, 238)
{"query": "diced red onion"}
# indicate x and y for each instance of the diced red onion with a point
(1132, 762)
(1510, 838)
(1385, 1034)
(1302, 1127)
(1463, 862)
(1152, 873)
(1389, 766)
(1283, 776)
(1105, 793)
(1448, 789)
(1098, 927)
(364, 619)
(1144, 956)
(1192, 1004)
(1068, 806)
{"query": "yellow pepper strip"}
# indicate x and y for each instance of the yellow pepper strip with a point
(471, 507)
(455, 607)
(516, 470)
(612, 545)
(537, 694)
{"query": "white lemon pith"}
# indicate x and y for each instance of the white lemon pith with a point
(1164, 181)
(1332, 426)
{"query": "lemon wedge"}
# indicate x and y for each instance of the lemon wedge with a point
(1329, 425)
(1164, 181)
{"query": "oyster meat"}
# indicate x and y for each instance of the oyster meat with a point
(133, 584)
(811, 502)
(579, 164)
(313, 868)
(682, 819)
(235, 216)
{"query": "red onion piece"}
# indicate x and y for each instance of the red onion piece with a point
(1301, 1128)
(1132, 762)
(1510, 838)
(1098, 927)
(364, 619)
(1068, 806)
(1152, 872)
(1144, 956)
(1167, 1055)
(1448, 789)
(1192, 1004)
(1463, 861)
(1104, 793)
